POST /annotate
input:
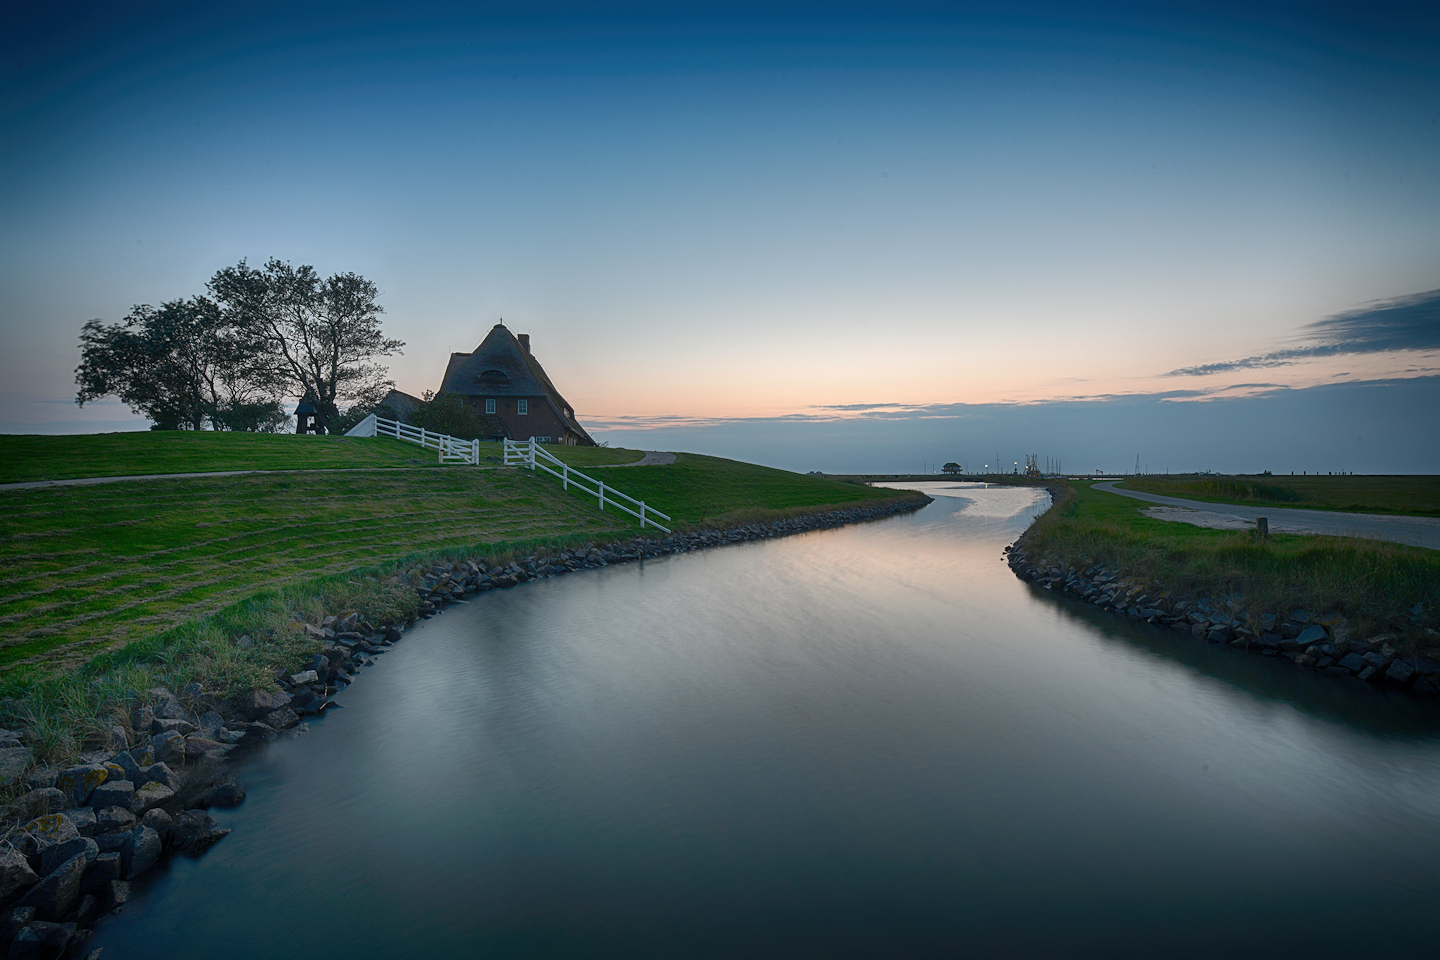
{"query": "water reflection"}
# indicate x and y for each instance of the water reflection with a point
(852, 742)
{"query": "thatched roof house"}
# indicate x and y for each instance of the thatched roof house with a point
(503, 380)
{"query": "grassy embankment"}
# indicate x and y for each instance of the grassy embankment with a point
(1407, 496)
(1371, 583)
(112, 589)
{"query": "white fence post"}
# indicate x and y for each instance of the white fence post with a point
(602, 493)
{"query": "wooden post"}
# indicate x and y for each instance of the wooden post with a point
(1262, 526)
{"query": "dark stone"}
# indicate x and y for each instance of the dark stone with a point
(14, 761)
(159, 821)
(162, 774)
(196, 747)
(57, 891)
(182, 727)
(195, 831)
(169, 709)
(61, 852)
(142, 720)
(103, 869)
(113, 793)
(256, 703)
(1370, 674)
(80, 781)
(169, 747)
(1311, 634)
(1353, 662)
(149, 796)
(15, 873)
(282, 719)
(84, 820)
(211, 723)
(127, 763)
(1400, 672)
(139, 852)
(223, 795)
(1337, 672)
(110, 819)
(12, 920)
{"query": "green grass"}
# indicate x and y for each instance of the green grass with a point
(1417, 496)
(700, 491)
(1371, 583)
(29, 457)
(87, 569)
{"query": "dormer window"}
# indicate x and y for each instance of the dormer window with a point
(522, 407)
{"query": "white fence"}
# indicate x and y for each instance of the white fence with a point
(451, 449)
(529, 453)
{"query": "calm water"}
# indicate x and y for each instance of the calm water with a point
(867, 741)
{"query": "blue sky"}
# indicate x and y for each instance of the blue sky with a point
(728, 225)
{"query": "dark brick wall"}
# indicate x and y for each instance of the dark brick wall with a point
(540, 421)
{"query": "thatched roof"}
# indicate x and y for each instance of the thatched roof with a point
(502, 367)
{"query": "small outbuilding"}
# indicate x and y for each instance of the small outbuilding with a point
(307, 418)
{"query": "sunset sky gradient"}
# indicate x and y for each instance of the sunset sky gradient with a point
(820, 236)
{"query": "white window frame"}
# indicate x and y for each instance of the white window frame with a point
(489, 405)
(522, 407)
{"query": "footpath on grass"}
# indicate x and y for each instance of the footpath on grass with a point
(110, 763)
(1354, 609)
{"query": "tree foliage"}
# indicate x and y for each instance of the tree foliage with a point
(182, 365)
(448, 413)
(322, 335)
(227, 361)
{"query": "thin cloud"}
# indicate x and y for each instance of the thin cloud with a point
(1404, 323)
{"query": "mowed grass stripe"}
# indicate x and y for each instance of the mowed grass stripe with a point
(150, 559)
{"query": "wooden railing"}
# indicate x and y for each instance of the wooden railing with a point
(451, 449)
(529, 453)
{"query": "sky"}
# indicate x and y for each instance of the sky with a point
(835, 236)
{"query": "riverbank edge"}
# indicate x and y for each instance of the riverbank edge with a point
(1318, 642)
(77, 838)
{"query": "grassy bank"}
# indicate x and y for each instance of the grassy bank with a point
(1373, 585)
(109, 591)
(700, 491)
(1414, 496)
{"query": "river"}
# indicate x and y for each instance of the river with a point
(858, 742)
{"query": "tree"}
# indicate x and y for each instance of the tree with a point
(182, 366)
(448, 413)
(321, 335)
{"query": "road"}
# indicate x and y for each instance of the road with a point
(1416, 531)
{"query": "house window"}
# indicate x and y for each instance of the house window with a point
(489, 406)
(522, 406)
(543, 439)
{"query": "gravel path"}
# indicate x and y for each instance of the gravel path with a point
(652, 458)
(1415, 531)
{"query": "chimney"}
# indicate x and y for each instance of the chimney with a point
(524, 339)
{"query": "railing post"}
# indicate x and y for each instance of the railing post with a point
(602, 493)
(565, 477)
(642, 514)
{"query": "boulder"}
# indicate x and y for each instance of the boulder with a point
(84, 819)
(182, 727)
(52, 828)
(15, 873)
(61, 852)
(149, 796)
(160, 773)
(113, 793)
(225, 794)
(282, 719)
(169, 709)
(14, 761)
(41, 939)
(1353, 662)
(104, 868)
(1370, 674)
(1311, 634)
(139, 852)
(78, 782)
(110, 819)
(58, 890)
(169, 747)
(12, 919)
(142, 720)
(258, 703)
(197, 747)
(195, 831)
(304, 677)
(211, 723)
(159, 821)
(130, 770)
(1400, 672)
